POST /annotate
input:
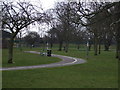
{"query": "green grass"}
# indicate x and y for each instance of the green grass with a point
(99, 72)
(26, 59)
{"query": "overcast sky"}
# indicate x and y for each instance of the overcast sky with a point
(46, 4)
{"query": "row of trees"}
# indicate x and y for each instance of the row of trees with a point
(97, 22)
(94, 21)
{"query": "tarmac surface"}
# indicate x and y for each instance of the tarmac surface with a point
(66, 60)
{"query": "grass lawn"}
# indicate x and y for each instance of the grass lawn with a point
(99, 72)
(26, 59)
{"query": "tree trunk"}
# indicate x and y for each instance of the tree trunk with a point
(60, 46)
(99, 48)
(66, 47)
(117, 50)
(89, 47)
(107, 45)
(106, 48)
(20, 42)
(10, 52)
(51, 45)
(78, 46)
(95, 45)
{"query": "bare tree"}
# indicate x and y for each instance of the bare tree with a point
(66, 15)
(16, 17)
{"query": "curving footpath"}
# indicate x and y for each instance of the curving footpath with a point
(66, 60)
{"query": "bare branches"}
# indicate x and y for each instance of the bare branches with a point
(20, 15)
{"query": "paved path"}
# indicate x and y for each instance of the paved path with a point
(66, 60)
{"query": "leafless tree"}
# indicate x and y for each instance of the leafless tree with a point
(16, 17)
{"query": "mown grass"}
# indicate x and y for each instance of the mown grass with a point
(26, 59)
(99, 72)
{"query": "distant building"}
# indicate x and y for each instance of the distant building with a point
(5, 39)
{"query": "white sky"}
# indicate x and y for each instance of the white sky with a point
(46, 4)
